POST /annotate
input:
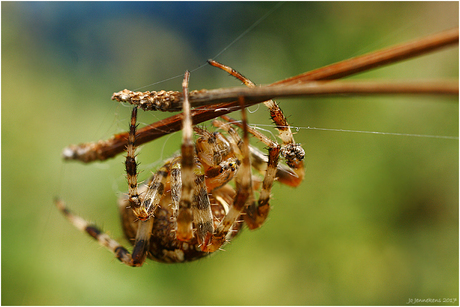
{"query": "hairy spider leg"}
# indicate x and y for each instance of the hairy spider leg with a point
(291, 151)
(142, 210)
(176, 184)
(103, 239)
(243, 182)
(131, 169)
(215, 153)
(256, 213)
(151, 200)
(155, 190)
(156, 187)
(184, 218)
(201, 207)
(194, 205)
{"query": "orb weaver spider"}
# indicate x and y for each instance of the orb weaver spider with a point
(188, 208)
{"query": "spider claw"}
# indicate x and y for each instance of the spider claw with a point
(206, 242)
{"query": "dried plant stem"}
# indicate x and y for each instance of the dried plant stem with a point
(378, 58)
(325, 88)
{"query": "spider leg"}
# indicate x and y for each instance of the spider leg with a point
(131, 168)
(243, 182)
(201, 208)
(155, 191)
(176, 185)
(103, 239)
(215, 156)
(215, 151)
(185, 216)
(291, 151)
(256, 214)
(142, 210)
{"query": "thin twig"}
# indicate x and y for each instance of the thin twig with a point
(325, 88)
(378, 58)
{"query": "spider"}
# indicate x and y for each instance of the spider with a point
(190, 208)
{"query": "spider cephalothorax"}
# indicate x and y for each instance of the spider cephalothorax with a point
(197, 201)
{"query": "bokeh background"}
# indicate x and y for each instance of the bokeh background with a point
(374, 223)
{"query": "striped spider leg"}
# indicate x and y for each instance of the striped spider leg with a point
(257, 212)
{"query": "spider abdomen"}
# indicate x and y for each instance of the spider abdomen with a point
(164, 246)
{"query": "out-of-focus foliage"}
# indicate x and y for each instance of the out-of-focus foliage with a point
(375, 221)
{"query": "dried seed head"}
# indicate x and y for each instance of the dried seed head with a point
(147, 101)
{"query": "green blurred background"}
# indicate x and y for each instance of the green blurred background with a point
(375, 221)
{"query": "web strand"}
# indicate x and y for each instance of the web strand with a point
(249, 29)
(296, 128)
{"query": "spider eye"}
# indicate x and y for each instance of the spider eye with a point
(232, 166)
